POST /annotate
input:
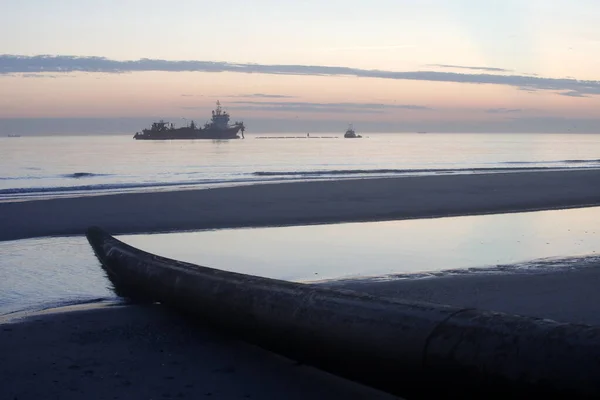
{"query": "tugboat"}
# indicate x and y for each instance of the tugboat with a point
(217, 128)
(350, 134)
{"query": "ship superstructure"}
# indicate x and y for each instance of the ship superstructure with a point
(217, 128)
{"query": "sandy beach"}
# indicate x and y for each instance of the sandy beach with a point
(562, 295)
(302, 203)
(147, 352)
(135, 352)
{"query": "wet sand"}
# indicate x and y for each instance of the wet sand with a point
(302, 203)
(564, 295)
(147, 352)
(135, 352)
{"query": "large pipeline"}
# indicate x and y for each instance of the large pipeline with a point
(411, 349)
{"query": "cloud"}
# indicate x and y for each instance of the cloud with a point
(363, 48)
(265, 96)
(253, 95)
(531, 90)
(503, 110)
(488, 69)
(39, 75)
(300, 107)
(379, 106)
(11, 64)
(305, 109)
(574, 94)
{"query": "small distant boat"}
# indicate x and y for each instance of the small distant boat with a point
(13, 135)
(350, 133)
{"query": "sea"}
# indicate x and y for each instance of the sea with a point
(46, 272)
(52, 166)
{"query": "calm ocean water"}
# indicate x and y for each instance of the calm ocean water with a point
(75, 165)
(47, 272)
(44, 272)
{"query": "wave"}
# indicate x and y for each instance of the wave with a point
(8, 311)
(78, 175)
(124, 187)
(86, 188)
(541, 265)
(75, 175)
(592, 161)
(337, 172)
(256, 177)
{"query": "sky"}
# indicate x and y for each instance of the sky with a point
(384, 65)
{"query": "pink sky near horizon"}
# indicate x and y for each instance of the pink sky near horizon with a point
(514, 38)
(193, 95)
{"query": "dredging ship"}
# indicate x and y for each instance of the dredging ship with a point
(217, 128)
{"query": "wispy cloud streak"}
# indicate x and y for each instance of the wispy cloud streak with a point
(15, 64)
(488, 69)
(361, 108)
(265, 96)
(368, 48)
(503, 110)
(345, 105)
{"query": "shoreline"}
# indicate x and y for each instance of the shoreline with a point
(106, 350)
(111, 350)
(538, 293)
(302, 203)
(566, 295)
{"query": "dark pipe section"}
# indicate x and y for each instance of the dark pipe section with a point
(411, 349)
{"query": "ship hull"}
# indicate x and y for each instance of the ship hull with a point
(190, 134)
